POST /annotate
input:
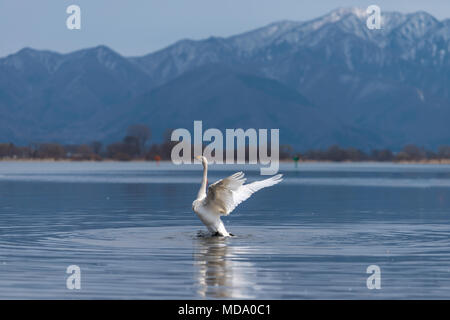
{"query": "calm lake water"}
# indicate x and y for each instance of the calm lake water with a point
(131, 230)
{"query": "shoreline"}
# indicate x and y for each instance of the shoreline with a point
(50, 160)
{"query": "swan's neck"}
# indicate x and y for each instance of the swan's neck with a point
(202, 192)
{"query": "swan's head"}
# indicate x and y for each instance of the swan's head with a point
(202, 159)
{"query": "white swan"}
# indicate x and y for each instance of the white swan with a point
(223, 196)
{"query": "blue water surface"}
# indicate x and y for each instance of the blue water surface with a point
(131, 230)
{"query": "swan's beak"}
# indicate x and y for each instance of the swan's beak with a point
(198, 157)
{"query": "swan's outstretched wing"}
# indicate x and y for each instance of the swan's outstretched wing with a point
(224, 195)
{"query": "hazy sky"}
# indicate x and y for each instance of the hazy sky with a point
(137, 27)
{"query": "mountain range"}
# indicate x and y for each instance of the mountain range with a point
(327, 81)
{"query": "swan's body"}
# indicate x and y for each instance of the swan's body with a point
(223, 196)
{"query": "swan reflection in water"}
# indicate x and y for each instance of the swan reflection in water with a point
(219, 271)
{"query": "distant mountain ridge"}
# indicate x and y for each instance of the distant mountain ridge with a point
(326, 81)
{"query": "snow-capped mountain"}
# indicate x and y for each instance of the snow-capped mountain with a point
(360, 87)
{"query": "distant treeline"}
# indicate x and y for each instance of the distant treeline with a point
(335, 153)
(134, 146)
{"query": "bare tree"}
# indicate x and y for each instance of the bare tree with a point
(96, 147)
(51, 151)
(142, 133)
(444, 152)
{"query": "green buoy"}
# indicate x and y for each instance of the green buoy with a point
(296, 158)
